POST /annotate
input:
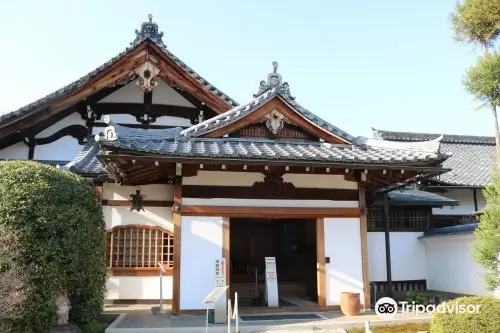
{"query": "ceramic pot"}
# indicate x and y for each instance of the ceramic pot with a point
(350, 304)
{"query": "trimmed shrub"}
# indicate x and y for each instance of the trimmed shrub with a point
(52, 238)
(487, 320)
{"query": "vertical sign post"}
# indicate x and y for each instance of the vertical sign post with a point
(271, 282)
(220, 282)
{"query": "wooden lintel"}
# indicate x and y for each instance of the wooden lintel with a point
(269, 192)
(270, 212)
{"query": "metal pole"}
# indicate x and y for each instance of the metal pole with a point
(237, 311)
(206, 323)
(387, 244)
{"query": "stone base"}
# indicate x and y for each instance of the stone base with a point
(69, 328)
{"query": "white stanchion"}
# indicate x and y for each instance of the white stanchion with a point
(236, 312)
(229, 315)
(160, 309)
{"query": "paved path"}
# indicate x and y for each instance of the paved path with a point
(142, 321)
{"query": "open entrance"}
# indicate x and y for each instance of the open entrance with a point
(292, 242)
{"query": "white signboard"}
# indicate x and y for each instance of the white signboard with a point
(271, 282)
(220, 282)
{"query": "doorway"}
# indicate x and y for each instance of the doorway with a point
(292, 242)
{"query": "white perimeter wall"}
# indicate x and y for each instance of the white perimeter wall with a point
(408, 258)
(451, 267)
(466, 199)
(343, 246)
(201, 245)
(138, 287)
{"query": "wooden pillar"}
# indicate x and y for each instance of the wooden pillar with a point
(226, 251)
(363, 223)
(387, 215)
(320, 259)
(176, 293)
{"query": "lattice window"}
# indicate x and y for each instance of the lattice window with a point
(401, 219)
(139, 247)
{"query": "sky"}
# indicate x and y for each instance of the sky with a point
(386, 64)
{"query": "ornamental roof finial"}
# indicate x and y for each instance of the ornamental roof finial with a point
(274, 81)
(149, 30)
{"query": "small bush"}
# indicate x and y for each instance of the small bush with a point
(487, 320)
(51, 238)
(419, 297)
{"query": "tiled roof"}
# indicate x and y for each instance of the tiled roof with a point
(86, 161)
(472, 157)
(462, 229)
(144, 34)
(412, 196)
(157, 142)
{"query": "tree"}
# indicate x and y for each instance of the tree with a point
(486, 251)
(483, 82)
(478, 22)
(51, 238)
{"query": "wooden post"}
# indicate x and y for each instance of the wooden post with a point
(387, 243)
(176, 293)
(320, 259)
(363, 223)
(474, 192)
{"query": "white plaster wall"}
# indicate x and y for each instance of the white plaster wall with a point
(72, 119)
(451, 267)
(64, 149)
(162, 94)
(173, 121)
(18, 151)
(201, 245)
(138, 287)
(229, 178)
(343, 246)
(130, 93)
(270, 203)
(466, 199)
(165, 95)
(408, 256)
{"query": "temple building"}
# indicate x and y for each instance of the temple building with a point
(188, 176)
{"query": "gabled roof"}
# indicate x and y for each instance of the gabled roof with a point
(148, 33)
(472, 158)
(273, 88)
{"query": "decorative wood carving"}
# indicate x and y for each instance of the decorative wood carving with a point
(288, 131)
(78, 132)
(147, 73)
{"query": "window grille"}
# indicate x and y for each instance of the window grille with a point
(401, 219)
(139, 247)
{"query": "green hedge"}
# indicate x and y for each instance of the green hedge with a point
(487, 320)
(51, 237)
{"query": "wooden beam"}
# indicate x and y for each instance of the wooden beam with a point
(177, 217)
(137, 108)
(269, 192)
(363, 220)
(263, 212)
(151, 271)
(145, 203)
(320, 259)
